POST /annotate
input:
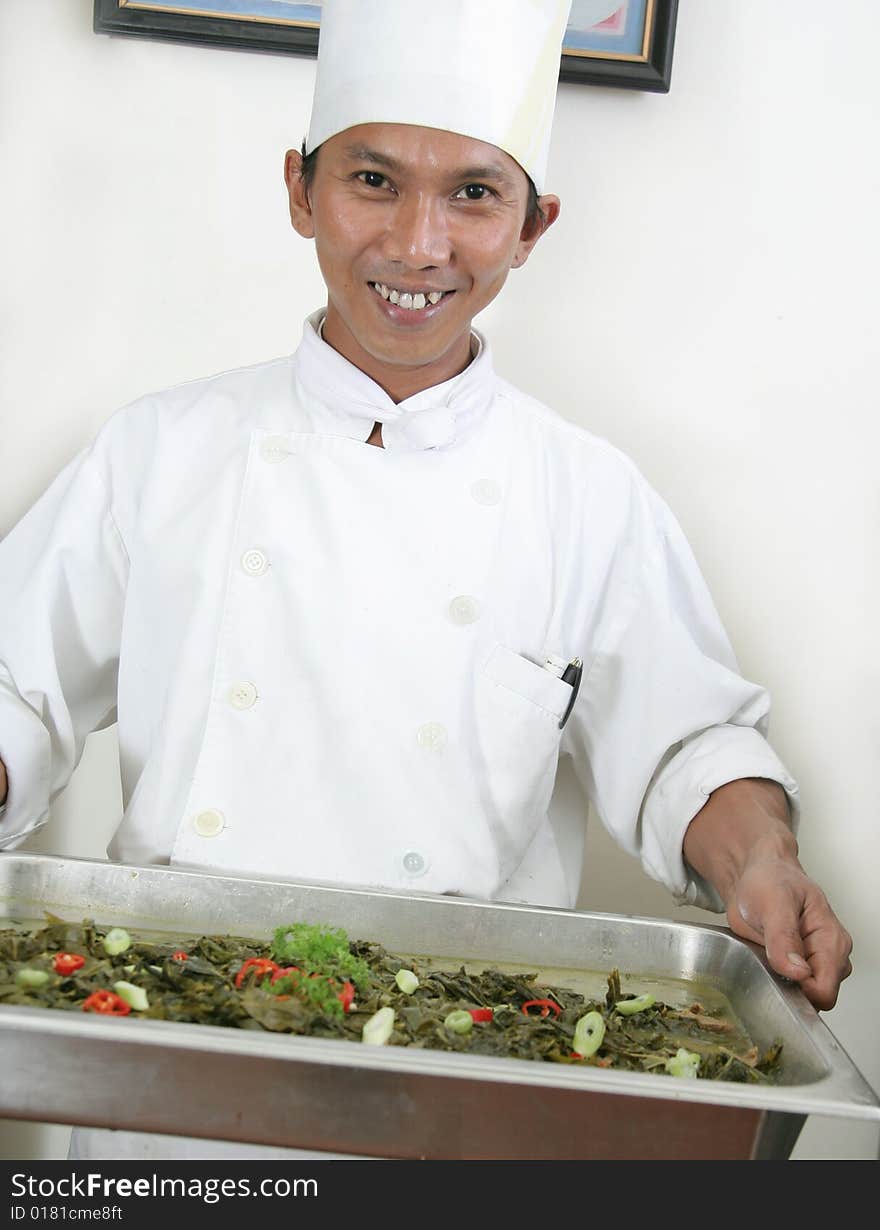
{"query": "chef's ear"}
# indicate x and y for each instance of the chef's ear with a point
(541, 219)
(297, 193)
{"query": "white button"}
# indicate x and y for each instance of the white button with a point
(254, 562)
(486, 491)
(464, 609)
(432, 736)
(242, 695)
(209, 823)
(414, 863)
(274, 448)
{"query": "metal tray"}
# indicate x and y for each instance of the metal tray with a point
(338, 1096)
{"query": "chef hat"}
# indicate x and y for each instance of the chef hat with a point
(487, 69)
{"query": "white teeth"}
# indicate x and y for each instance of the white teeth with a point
(413, 302)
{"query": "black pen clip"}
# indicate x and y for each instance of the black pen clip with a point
(572, 675)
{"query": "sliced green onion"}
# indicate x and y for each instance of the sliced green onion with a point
(31, 977)
(459, 1022)
(627, 1007)
(683, 1063)
(136, 997)
(406, 980)
(377, 1030)
(116, 940)
(588, 1034)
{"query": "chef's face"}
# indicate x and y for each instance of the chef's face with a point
(416, 230)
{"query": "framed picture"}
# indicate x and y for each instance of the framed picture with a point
(608, 42)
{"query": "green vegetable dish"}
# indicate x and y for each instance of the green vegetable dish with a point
(312, 980)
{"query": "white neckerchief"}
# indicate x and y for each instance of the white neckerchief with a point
(343, 400)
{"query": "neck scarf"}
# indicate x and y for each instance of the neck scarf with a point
(343, 400)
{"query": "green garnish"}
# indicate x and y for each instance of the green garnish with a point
(134, 996)
(628, 1007)
(459, 1021)
(116, 940)
(320, 992)
(683, 1063)
(406, 980)
(377, 1030)
(31, 978)
(588, 1034)
(319, 950)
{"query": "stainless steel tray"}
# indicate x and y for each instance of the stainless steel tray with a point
(339, 1096)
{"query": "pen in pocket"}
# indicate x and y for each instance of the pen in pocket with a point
(571, 675)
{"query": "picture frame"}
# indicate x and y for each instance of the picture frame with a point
(632, 48)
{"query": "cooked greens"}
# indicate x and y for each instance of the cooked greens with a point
(312, 980)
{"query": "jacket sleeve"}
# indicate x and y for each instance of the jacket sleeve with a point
(63, 571)
(664, 716)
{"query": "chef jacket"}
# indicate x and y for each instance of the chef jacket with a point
(334, 662)
(339, 663)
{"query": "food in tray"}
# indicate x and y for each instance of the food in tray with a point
(312, 980)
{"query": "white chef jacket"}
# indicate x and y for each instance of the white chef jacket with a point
(327, 659)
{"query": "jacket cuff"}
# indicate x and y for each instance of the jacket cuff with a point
(705, 761)
(26, 752)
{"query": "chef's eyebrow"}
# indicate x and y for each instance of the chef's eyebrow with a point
(464, 175)
(362, 153)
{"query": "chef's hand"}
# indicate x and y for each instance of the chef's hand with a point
(2, 783)
(741, 841)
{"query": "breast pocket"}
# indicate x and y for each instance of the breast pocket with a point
(518, 708)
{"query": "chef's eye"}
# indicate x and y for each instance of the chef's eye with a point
(372, 179)
(473, 192)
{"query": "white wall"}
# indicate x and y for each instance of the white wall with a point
(707, 301)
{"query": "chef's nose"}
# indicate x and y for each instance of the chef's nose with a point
(418, 233)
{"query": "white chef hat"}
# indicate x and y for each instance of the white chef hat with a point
(487, 69)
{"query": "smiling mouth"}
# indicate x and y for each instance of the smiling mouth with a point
(411, 300)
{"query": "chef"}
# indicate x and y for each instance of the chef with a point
(351, 607)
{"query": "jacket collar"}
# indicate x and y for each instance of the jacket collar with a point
(343, 400)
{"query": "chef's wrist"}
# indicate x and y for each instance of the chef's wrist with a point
(740, 822)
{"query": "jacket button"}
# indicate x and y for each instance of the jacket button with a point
(464, 609)
(431, 736)
(242, 695)
(486, 491)
(274, 448)
(209, 823)
(414, 863)
(254, 562)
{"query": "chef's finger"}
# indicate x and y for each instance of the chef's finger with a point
(824, 950)
(828, 950)
(823, 986)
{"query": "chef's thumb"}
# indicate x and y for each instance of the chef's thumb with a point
(785, 949)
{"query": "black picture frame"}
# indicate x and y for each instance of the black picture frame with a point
(650, 71)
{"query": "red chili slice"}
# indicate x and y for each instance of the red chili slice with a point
(260, 965)
(346, 995)
(481, 1014)
(108, 1003)
(180, 956)
(67, 962)
(282, 972)
(544, 1004)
